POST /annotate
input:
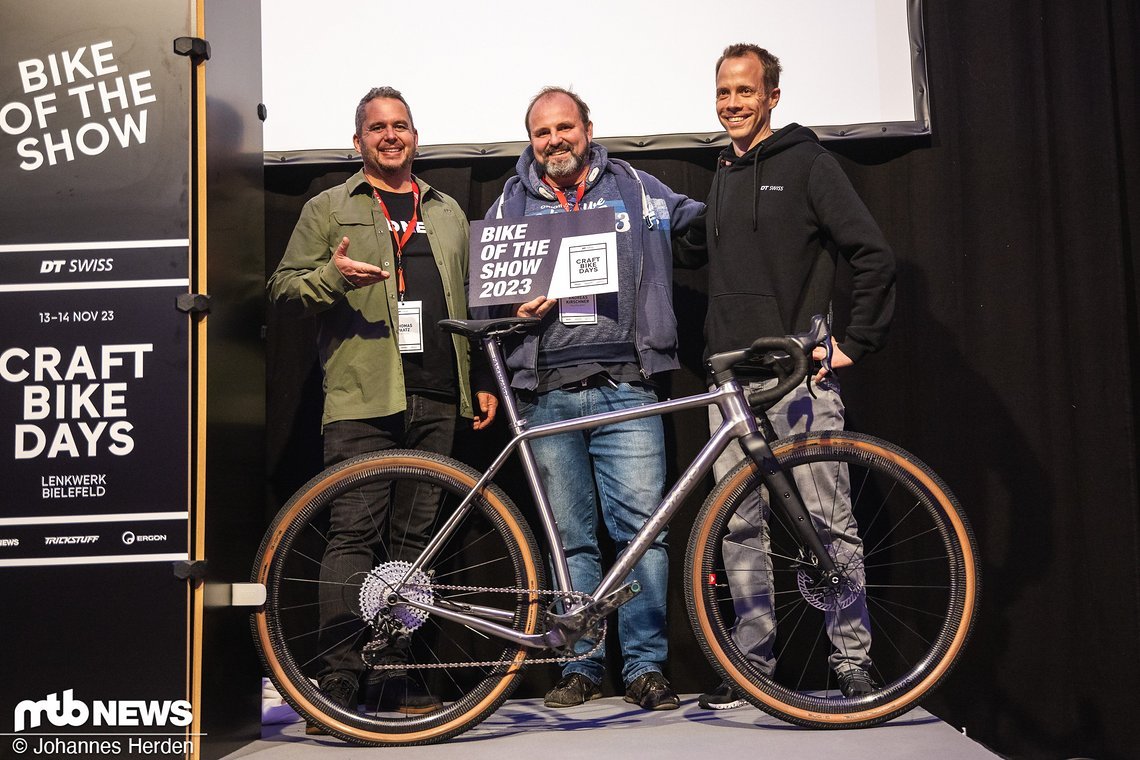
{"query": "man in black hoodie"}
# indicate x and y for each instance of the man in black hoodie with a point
(780, 214)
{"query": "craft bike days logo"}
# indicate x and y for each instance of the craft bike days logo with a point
(63, 710)
(77, 102)
(74, 403)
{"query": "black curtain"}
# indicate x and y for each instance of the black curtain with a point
(1012, 366)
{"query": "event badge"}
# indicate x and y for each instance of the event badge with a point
(410, 334)
(578, 310)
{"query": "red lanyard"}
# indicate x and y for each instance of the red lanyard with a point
(401, 240)
(562, 196)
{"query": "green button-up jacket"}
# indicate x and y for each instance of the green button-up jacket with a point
(363, 373)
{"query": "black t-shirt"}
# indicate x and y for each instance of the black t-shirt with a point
(430, 372)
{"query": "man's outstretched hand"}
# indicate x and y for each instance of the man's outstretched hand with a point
(359, 273)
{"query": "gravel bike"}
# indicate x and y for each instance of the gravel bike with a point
(469, 610)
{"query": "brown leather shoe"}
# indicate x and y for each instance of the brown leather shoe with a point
(572, 690)
(652, 692)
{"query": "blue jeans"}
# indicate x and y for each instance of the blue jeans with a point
(625, 464)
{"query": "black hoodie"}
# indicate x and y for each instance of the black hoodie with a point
(777, 219)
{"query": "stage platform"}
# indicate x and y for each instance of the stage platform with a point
(609, 727)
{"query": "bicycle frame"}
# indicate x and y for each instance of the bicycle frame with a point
(738, 423)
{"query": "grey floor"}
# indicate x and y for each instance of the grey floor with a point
(610, 727)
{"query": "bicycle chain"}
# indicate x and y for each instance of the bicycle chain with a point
(575, 596)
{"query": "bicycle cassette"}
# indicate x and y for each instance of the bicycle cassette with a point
(380, 584)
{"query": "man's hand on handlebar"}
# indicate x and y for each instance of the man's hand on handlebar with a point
(839, 360)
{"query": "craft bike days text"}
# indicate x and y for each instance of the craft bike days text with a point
(74, 405)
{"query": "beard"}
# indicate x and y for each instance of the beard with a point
(386, 166)
(564, 166)
(393, 168)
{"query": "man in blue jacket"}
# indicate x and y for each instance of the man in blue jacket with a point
(601, 353)
(781, 213)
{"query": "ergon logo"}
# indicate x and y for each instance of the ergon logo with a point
(65, 710)
(129, 537)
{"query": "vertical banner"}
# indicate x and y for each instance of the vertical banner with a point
(94, 377)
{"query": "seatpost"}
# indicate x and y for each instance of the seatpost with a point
(493, 348)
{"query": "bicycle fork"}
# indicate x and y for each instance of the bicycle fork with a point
(784, 496)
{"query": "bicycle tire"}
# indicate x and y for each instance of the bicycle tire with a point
(921, 585)
(493, 547)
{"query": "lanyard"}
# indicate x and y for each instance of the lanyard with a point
(562, 196)
(401, 240)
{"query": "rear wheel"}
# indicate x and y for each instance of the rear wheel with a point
(491, 560)
(915, 574)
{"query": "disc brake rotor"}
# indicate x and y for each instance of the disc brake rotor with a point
(827, 597)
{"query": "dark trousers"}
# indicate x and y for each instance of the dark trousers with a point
(369, 525)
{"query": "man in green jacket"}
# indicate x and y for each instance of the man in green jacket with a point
(379, 261)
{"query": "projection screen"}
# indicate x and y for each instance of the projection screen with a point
(851, 68)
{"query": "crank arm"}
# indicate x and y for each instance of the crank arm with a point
(573, 625)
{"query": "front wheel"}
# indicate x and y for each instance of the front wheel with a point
(902, 610)
(327, 563)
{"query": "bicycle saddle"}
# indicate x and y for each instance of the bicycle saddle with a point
(481, 328)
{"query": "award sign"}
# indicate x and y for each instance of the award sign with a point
(553, 255)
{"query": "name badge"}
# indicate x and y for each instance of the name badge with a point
(410, 333)
(578, 310)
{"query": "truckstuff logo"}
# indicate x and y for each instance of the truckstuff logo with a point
(54, 540)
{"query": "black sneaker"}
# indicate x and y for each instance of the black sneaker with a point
(401, 693)
(856, 682)
(341, 691)
(652, 692)
(723, 697)
(572, 690)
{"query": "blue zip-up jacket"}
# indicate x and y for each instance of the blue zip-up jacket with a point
(664, 215)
